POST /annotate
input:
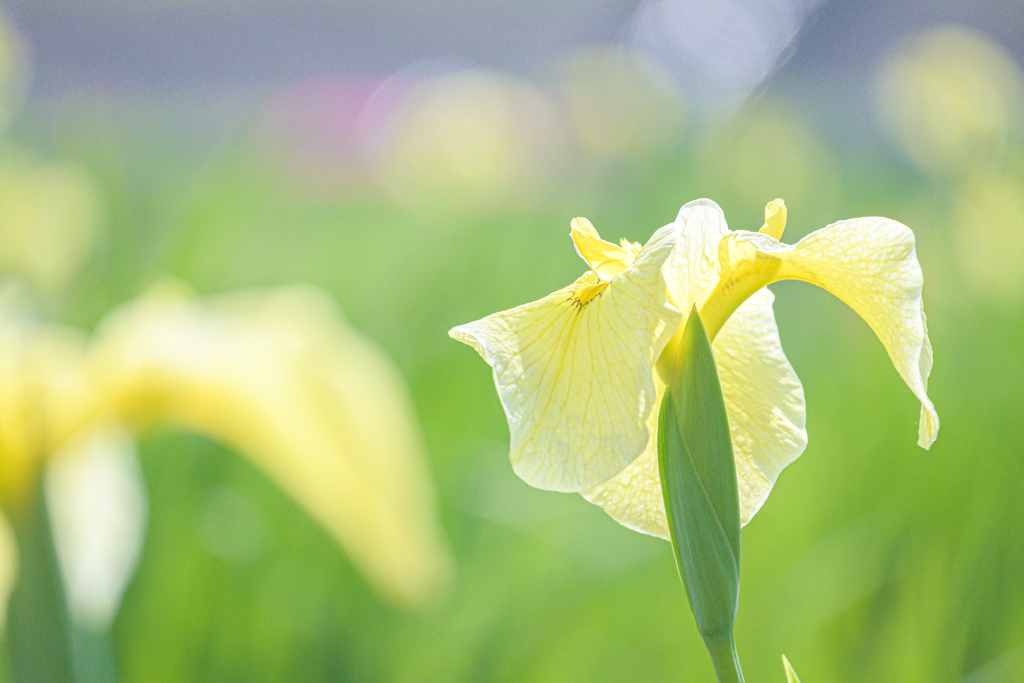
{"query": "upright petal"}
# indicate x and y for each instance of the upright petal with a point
(279, 376)
(575, 371)
(692, 270)
(871, 265)
(765, 404)
(604, 258)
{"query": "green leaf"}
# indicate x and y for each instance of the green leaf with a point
(698, 478)
(791, 676)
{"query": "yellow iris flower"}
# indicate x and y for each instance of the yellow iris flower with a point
(275, 374)
(577, 371)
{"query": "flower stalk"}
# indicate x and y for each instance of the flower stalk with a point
(38, 634)
(698, 481)
(725, 658)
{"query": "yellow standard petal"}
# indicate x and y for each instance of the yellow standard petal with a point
(868, 263)
(575, 370)
(280, 377)
(763, 396)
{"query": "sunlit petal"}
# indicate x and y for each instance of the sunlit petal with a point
(871, 265)
(763, 398)
(606, 259)
(633, 497)
(765, 404)
(692, 270)
(280, 377)
(575, 371)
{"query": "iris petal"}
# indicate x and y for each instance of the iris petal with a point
(575, 371)
(280, 377)
(871, 265)
(765, 403)
(763, 396)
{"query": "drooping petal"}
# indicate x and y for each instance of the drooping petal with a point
(279, 376)
(633, 498)
(871, 265)
(575, 371)
(765, 404)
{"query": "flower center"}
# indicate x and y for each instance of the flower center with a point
(743, 269)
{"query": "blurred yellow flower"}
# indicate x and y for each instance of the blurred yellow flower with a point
(577, 371)
(618, 102)
(987, 217)
(463, 140)
(50, 214)
(949, 97)
(276, 374)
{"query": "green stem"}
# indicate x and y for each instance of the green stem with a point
(725, 658)
(39, 646)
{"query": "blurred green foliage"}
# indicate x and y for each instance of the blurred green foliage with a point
(871, 560)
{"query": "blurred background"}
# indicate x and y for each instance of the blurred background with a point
(421, 162)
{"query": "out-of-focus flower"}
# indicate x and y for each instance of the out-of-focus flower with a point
(277, 375)
(988, 223)
(49, 210)
(49, 215)
(464, 139)
(577, 372)
(312, 130)
(730, 158)
(619, 102)
(949, 96)
(96, 503)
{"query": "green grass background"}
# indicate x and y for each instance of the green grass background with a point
(872, 560)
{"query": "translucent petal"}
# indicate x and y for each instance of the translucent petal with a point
(692, 270)
(280, 377)
(871, 265)
(633, 498)
(765, 403)
(604, 258)
(763, 397)
(575, 371)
